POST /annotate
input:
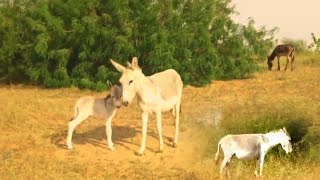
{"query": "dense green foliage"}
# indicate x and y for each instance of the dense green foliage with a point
(59, 43)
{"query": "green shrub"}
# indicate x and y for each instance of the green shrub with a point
(85, 83)
(41, 39)
(300, 45)
(99, 86)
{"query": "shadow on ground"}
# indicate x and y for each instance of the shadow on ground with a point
(96, 137)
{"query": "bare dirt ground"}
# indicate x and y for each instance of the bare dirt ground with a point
(34, 125)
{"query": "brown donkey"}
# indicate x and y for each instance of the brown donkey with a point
(287, 50)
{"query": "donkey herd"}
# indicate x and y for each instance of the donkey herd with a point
(162, 92)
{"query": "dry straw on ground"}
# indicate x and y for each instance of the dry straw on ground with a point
(33, 123)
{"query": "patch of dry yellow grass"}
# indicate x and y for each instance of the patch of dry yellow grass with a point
(33, 123)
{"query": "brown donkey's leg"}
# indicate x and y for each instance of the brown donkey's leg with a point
(292, 60)
(278, 63)
(287, 63)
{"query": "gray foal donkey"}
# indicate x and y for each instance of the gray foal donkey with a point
(98, 107)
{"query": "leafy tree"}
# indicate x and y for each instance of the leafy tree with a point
(60, 43)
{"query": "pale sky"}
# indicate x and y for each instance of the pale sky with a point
(297, 19)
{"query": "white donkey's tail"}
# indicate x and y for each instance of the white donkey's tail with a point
(75, 113)
(216, 159)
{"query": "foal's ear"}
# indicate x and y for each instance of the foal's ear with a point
(118, 66)
(109, 84)
(134, 62)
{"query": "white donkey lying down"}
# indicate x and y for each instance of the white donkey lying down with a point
(248, 146)
(98, 107)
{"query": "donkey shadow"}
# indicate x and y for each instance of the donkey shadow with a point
(96, 137)
(121, 136)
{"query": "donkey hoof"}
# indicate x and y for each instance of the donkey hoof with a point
(69, 146)
(174, 145)
(137, 153)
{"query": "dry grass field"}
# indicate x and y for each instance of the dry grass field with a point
(33, 123)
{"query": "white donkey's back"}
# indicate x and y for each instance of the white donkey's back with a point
(169, 83)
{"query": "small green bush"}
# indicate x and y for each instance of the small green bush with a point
(300, 45)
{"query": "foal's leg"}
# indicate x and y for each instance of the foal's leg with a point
(109, 131)
(278, 63)
(176, 135)
(145, 116)
(173, 112)
(159, 128)
(72, 125)
(287, 63)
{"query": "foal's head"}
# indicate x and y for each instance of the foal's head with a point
(130, 75)
(116, 95)
(285, 140)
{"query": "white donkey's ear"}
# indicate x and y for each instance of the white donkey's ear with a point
(134, 62)
(109, 84)
(118, 66)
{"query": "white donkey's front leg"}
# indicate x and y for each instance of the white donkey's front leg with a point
(159, 128)
(145, 116)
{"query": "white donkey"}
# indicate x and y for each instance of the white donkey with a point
(157, 93)
(248, 146)
(98, 107)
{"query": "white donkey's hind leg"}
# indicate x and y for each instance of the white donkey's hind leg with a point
(227, 159)
(159, 129)
(72, 125)
(177, 116)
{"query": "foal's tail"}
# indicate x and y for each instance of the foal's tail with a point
(216, 159)
(75, 113)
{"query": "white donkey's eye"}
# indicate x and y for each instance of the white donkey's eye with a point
(130, 82)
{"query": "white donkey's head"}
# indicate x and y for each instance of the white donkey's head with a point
(130, 76)
(285, 140)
